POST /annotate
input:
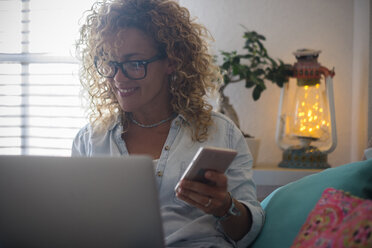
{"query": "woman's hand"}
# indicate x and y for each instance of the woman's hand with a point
(212, 198)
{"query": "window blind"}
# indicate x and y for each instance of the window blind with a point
(40, 107)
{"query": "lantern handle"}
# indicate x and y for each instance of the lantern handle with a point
(327, 73)
(329, 86)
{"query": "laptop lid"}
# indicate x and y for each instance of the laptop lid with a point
(79, 202)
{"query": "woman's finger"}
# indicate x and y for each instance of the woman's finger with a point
(209, 203)
(206, 204)
(218, 178)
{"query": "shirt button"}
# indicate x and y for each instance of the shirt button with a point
(159, 173)
(166, 148)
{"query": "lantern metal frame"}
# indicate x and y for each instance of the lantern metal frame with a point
(306, 155)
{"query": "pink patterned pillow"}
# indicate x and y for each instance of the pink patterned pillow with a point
(338, 220)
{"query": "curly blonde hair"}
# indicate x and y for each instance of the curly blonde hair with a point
(177, 36)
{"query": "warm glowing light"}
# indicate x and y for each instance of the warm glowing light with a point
(310, 119)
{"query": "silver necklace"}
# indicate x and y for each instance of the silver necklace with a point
(151, 125)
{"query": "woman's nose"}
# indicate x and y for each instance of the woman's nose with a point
(120, 76)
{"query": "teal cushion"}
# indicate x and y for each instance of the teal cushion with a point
(288, 207)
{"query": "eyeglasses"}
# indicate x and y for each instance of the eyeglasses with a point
(133, 69)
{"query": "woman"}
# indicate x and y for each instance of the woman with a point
(147, 71)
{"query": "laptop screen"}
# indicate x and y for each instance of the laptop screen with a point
(79, 202)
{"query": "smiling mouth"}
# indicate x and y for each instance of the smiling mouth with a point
(127, 91)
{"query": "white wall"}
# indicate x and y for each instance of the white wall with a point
(288, 25)
(360, 79)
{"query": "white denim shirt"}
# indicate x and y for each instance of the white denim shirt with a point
(185, 225)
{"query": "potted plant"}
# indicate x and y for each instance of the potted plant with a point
(254, 67)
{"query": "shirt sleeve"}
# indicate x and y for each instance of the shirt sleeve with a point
(242, 186)
(81, 143)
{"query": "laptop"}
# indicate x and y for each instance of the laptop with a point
(79, 202)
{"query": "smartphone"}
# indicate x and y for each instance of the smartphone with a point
(208, 158)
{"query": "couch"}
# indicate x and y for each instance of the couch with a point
(288, 207)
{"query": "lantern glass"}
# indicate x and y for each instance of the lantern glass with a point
(304, 116)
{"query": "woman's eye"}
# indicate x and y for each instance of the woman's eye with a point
(134, 65)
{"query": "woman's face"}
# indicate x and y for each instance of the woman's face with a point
(150, 94)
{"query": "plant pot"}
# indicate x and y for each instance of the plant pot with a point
(254, 145)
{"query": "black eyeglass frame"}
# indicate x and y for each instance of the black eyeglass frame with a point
(120, 65)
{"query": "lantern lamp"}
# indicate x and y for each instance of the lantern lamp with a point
(306, 127)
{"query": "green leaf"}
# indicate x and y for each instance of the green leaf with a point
(236, 60)
(256, 93)
(262, 49)
(261, 84)
(235, 69)
(248, 83)
(246, 56)
(261, 37)
(226, 65)
(259, 72)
